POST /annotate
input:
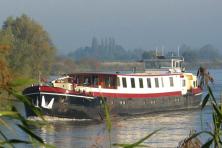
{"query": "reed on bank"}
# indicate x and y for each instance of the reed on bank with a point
(15, 117)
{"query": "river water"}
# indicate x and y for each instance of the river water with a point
(85, 133)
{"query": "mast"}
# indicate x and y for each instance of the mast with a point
(178, 51)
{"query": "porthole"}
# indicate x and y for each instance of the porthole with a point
(153, 102)
(177, 100)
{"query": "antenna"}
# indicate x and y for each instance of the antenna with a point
(156, 52)
(178, 51)
(162, 50)
(39, 77)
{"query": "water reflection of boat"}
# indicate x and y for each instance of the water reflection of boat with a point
(162, 86)
(176, 127)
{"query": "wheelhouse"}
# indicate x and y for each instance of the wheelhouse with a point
(95, 80)
(172, 65)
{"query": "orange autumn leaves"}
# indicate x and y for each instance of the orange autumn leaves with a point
(4, 70)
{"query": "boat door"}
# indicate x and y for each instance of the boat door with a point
(183, 84)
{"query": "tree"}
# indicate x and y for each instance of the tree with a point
(189, 54)
(106, 50)
(149, 54)
(32, 49)
(209, 52)
(94, 43)
(4, 51)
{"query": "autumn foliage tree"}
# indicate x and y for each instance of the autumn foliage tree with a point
(32, 51)
(4, 51)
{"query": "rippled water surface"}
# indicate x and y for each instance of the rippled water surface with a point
(176, 126)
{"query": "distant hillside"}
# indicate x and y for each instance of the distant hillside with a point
(105, 50)
(108, 56)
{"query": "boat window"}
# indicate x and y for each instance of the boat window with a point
(124, 82)
(118, 81)
(177, 99)
(153, 102)
(184, 83)
(157, 64)
(70, 80)
(148, 83)
(178, 64)
(162, 81)
(77, 80)
(132, 82)
(87, 81)
(107, 81)
(141, 82)
(122, 102)
(174, 63)
(156, 82)
(113, 82)
(95, 81)
(171, 81)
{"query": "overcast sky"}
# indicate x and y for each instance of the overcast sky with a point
(133, 23)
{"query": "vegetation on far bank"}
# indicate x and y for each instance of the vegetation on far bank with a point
(109, 50)
(107, 54)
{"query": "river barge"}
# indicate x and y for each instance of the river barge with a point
(163, 86)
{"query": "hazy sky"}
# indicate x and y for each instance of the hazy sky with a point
(133, 23)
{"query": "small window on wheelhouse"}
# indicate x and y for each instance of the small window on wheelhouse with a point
(124, 82)
(132, 82)
(141, 82)
(118, 81)
(156, 82)
(194, 83)
(171, 81)
(95, 81)
(148, 83)
(183, 83)
(162, 81)
(108, 82)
